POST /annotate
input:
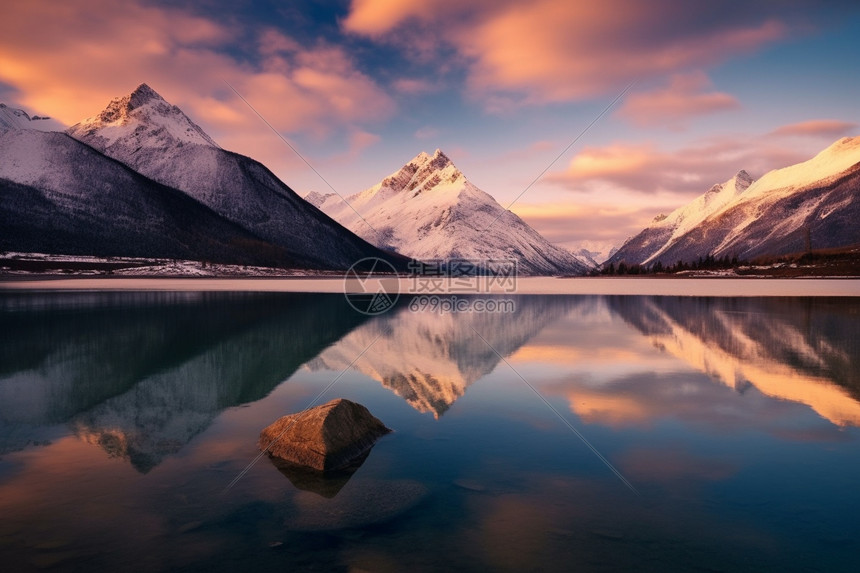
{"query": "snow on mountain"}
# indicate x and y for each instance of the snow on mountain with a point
(428, 210)
(648, 245)
(814, 204)
(60, 196)
(12, 118)
(143, 119)
(158, 140)
(585, 257)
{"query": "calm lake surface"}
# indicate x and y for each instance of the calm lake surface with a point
(724, 433)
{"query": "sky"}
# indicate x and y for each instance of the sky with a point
(585, 118)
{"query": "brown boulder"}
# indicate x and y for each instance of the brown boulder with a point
(326, 438)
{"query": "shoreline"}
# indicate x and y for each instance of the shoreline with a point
(627, 286)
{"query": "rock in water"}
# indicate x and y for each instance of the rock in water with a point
(325, 438)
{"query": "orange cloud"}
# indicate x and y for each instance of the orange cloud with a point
(376, 17)
(683, 98)
(550, 51)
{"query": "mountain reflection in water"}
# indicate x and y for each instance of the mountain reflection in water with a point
(125, 416)
(140, 374)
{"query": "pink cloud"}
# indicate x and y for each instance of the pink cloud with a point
(685, 97)
(686, 172)
(550, 51)
(829, 128)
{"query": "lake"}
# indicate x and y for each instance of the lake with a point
(567, 432)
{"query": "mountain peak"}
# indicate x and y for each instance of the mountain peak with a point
(742, 175)
(742, 181)
(142, 95)
(145, 117)
(119, 108)
(422, 173)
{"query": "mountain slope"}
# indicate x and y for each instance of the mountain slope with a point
(429, 210)
(814, 204)
(58, 195)
(664, 230)
(158, 140)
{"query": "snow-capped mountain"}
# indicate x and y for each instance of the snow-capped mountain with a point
(157, 139)
(58, 195)
(12, 118)
(811, 205)
(428, 210)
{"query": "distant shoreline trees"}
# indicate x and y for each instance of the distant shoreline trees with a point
(706, 263)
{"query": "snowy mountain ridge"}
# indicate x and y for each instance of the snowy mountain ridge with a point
(685, 218)
(13, 118)
(428, 210)
(813, 204)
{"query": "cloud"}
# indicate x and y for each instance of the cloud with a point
(828, 128)
(685, 97)
(573, 224)
(689, 171)
(548, 51)
(69, 59)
